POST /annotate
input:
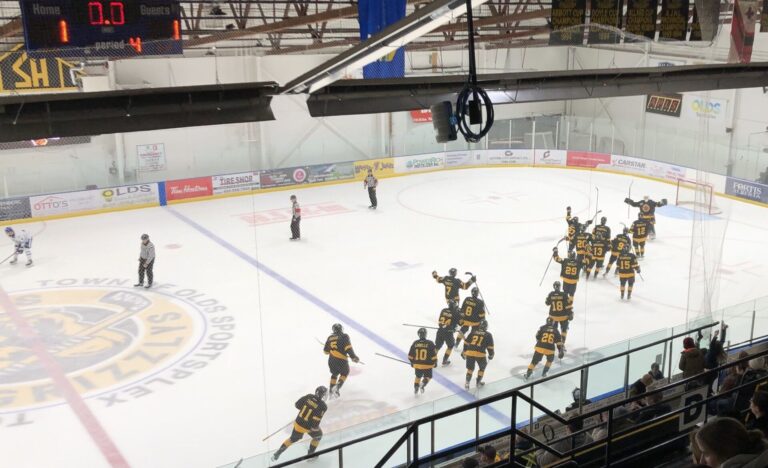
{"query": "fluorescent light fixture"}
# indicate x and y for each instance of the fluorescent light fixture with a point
(381, 44)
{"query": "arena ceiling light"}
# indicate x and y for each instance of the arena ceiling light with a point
(385, 42)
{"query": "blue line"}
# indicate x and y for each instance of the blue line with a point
(371, 335)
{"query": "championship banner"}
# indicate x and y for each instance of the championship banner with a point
(641, 18)
(695, 27)
(674, 20)
(604, 13)
(742, 31)
(567, 18)
(373, 16)
(21, 73)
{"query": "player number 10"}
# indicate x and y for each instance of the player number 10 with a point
(115, 17)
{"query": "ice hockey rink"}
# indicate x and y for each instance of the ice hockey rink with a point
(216, 354)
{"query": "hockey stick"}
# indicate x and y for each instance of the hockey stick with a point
(480, 291)
(6, 258)
(641, 276)
(394, 359)
(279, 430)
(595, 216)
(629, 195)
(419, 326)
(550, 262)
(597, 202)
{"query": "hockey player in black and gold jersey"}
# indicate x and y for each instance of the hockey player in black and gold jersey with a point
(547, 339)
(452, 284)
(560, 309)
(311, 408)
(600, 247)
(569, 271)
(582, 240)
(588, 261)
(423, 357)
(339, 350)
(602, 229)
(617, 246)
(640, 230)
(647, 211)
(472, 313)
(446, 323)
(477, 344)
(627, 266)
(574, 227)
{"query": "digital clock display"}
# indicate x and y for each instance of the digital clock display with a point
(103, 28)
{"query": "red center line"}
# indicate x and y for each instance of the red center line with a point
(87, 418)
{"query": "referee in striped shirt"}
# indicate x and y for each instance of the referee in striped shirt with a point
(146, 262)
(371, 183)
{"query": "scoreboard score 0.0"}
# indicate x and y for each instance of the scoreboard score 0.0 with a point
(102, 28)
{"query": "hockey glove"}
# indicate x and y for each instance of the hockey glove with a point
(628, 201)
(663, 201)
(434, 274)
(19, 250)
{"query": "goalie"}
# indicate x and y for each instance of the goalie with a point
(647, 211)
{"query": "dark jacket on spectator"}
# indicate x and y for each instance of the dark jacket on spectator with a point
(760, 424)
(650, 412)
(691, 362)
(759, 460)
(715, 351)
(545, 458)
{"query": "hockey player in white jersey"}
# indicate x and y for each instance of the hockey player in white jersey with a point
(22, 243)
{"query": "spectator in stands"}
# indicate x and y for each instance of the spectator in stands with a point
(470, 463)
(577, 396)
(715, 356)
(567, 443)
(726, 443)
(691, 361)
(640, 385)
(695, 449)
(655, 371)
(654, 406)
(619, 423)
(750, 378)
(757, 418)
(488, 454)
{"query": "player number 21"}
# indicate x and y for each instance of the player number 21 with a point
(477, 340)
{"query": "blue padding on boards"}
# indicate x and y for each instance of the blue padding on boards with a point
(161, 191)
(375, 15)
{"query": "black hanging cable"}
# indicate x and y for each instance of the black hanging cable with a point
(472, 108)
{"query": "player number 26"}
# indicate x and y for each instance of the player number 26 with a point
(548, 338)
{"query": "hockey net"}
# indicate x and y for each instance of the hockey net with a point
(698, 196)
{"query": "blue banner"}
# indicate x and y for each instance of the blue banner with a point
(747, 189)
(375, 15)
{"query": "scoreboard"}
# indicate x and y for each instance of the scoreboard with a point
(102, 28)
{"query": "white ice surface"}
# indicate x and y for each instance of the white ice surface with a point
(372, 266)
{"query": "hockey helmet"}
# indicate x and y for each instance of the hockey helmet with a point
(603, 220)
(452, 272)
(145, 237)
(556, 285)
(483, 325)
(571, 254)
(321, 392)
(475, 292)
(576, 394)
(453, 305)
(9, 231)
(337, 329)
(550, 321)
(646, 197)
(575, 219)
(422, 332)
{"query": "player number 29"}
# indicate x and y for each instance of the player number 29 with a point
(570, 270)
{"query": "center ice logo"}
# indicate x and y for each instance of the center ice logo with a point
(114, 344)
